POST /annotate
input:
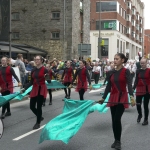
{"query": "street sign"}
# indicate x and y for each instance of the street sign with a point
(84, 49)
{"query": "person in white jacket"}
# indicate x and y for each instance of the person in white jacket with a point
(96, 71)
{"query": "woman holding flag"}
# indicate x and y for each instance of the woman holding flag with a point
(6, 84)
(82, 76)
(142, 86)
(67, 77)
(118, 79)
(39, 90)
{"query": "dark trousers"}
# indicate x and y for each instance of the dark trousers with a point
(96, 77)
(37, 111)
(7, 105)
(65, 89)
(116, 114)
(81, 94)
(50, 96)
(146, 103)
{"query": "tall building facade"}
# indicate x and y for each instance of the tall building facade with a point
(147, 43)
(57, 26)
(120, 23)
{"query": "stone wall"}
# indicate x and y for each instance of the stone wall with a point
(35, 26)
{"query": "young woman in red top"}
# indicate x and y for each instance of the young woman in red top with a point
(142, 86)
(82, 76)
(50, 74)
(6, 84)
(39, 89)
(118, 79)
(67, 77)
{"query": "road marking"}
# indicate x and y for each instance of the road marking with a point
(28, 133)
(125, 128)
(99, 90)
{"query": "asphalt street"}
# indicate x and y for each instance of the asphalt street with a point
(95, 134)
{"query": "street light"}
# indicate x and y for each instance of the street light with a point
(99, 39)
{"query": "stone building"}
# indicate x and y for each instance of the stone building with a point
(52, 25)
(121, 25)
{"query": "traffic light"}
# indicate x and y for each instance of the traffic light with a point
(127, 55)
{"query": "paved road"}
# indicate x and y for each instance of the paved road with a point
(95, 134)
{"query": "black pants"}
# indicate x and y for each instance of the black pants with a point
(65, 89)
(96, 77)
(50, 96)
(146, 102)
(116, 114)
(7, 105)
(81, 94)
(37, 111)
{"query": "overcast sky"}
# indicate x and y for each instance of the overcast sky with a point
(147, 13)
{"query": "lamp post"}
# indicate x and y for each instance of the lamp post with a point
(99, 38)
(10, 29)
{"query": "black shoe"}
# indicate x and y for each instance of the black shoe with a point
(64, 98)
(145, 122)
(36, 126)
(50, 103)
(43, 104)
(139, 118)
(7, 114)
(42, 118)
(68, 97)
(118, 145)
(114, 144)
(3, 116)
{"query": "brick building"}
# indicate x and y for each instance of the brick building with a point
(121, 27)
(147, 43)
(51, 25)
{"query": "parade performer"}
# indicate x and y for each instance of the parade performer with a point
(82, 76)
(97, 72)
(67, 77)
(118, 101)
(6, 84)
(50, 74)
(142, 86)
(39, 90)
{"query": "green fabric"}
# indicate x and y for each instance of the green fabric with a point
(21, 96)
(67, 124)
(7, 98)
(97, 86)
(55, 85)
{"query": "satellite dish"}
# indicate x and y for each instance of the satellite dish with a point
(1, 128)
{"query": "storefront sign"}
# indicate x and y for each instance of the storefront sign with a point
(103, 34)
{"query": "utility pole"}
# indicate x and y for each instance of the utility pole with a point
(99, 38)
(10, 29)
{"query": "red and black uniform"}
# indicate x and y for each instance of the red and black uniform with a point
(67, 77)
(82, 83)
(117, 82)
(142, 86)
(6, 84)
(51, 74)
(39, 91)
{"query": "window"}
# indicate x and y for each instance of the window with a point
(15, 16)
(127, 30)
(55, 15)
(133, 34)
(106, 6)
(55, 35)
(106, 25)
(15, 35)
(141, 20)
